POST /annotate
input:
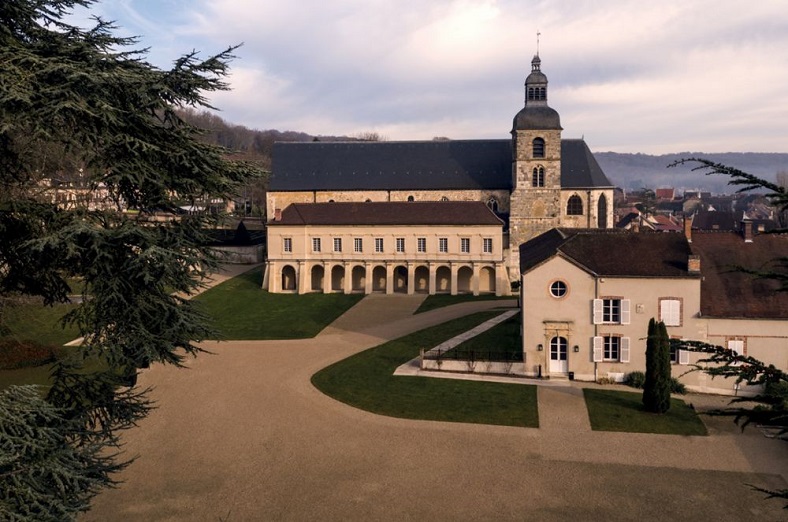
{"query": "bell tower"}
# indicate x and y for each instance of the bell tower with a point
(536, 165)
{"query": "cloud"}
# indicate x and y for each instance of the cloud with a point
(629, 75)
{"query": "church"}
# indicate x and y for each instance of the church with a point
(428, 216)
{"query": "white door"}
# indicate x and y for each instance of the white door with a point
(558, 362)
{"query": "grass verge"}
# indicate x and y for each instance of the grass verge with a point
(499, 343)
(440, 300)
(241, 310)
(611, 410)
(366, 381)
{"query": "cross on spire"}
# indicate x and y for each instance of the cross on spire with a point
(538, 34)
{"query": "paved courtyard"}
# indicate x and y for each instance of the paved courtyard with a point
(243, 435)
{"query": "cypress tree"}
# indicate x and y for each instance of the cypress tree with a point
(656, 390)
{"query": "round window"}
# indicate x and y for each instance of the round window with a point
(558, 289)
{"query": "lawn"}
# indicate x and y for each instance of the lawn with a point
(241, 310)
(500, 343)
(38, 323)
(366, 381)
(611, 410)
(440, 300)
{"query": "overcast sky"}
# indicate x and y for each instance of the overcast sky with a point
(628, 75)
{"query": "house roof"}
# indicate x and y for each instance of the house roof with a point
(447, 213)
(579, 168)
(611, 252)
(392, 165)
(727, 292)
(417, 165)
(665, 193)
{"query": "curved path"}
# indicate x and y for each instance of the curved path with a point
(242, 435)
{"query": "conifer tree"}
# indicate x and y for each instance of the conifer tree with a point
(656, 390)
(73, 98)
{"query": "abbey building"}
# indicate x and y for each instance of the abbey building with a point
(428, 216)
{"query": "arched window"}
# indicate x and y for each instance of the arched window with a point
(444, 198)
(410, 198)
(542, 93)
(537, 180)
(601, 212)
(530, 93)
(492, 204)
(574, 207)
(538, 147)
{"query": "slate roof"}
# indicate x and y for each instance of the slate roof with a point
(417, 165)
(612, 252)
(392, 165)
(726, 292)
(579, 168)
(463, 213)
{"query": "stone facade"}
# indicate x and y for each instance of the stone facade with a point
(543, 193)
(386, 259)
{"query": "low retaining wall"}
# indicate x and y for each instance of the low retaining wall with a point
(242, 255)
(482, 367)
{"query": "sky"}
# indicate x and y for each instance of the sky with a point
(626, 75)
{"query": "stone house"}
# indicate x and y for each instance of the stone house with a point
(588, 295)
(532, 182)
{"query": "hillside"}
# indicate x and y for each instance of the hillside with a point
(635, 171)
(628, 171)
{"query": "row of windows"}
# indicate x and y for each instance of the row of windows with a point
(617, 311)
(615, 348)
(421, 244)
(537, 93)
(609, 348)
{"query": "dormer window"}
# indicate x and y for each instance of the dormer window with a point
(538, 144)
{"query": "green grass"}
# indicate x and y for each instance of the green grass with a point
(366, 381)
(241, 310)
(611, 410)
(38, 323)
(440, 300)
(502, 341)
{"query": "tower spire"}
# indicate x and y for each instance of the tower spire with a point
(538, 34)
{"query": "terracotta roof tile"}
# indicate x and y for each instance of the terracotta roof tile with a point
(726, 292)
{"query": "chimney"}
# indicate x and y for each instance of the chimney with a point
(747, 229)
(277, 214)
(693, 264)
(688, 228)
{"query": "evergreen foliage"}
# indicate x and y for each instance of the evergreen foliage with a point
(82, 100)
(656, 388)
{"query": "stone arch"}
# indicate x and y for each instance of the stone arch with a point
(492, 204)
(289, 281)
(601, 212)
(487, 280)
(379, 279)
(359, 278)
(464, 280)
(316, 277)
(442, 280)
(421, 280)
(337, 278)
(574, 207)
(401, 279)
(538, 148)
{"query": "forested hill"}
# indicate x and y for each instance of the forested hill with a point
(628, 171)
(635, 171)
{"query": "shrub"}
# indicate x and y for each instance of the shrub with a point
(677, 386)
(635, 379)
